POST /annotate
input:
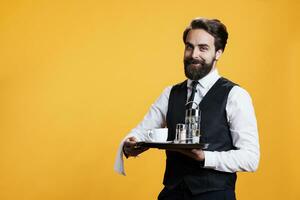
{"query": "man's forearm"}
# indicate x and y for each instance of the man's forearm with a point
(232, 161)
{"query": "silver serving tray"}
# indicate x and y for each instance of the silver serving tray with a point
(169, 145)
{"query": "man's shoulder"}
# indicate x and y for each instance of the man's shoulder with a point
(239, 95)
(235, 88)
(180, 85)
(226, 82)
(235, 91)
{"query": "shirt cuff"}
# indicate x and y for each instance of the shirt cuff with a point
(210, 160)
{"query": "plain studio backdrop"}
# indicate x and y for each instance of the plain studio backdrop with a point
(76, 76)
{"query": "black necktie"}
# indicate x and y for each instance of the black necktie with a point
(194, 90)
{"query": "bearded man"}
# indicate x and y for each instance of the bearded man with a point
(228, 122)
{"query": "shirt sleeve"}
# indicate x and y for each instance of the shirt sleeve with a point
(155, 118)
(244, 132)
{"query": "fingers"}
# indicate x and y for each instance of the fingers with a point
(199, 154)
(130, 142)
(187, 153)
(135, 152)
(195, 151)
(196, 154)
(130, 147)
(132, 139)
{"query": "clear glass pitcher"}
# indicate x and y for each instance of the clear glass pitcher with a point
(192, 123)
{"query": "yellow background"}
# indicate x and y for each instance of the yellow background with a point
(76, 76)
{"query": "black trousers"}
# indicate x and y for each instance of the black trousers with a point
(182, 192)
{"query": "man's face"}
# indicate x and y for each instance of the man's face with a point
(199, 54)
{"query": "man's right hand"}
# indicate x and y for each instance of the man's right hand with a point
(130, 149)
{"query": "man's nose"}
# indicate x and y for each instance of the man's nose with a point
(196, 53)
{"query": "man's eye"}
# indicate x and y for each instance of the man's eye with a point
(203, 49)
(188, 47)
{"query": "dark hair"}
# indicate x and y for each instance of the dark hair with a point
(213, 26)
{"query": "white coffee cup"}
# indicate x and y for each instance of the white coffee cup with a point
(158, 135)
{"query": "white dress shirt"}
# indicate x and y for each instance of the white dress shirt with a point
(241, 119)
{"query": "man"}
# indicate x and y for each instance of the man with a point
(228, 122)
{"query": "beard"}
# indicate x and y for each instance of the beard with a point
(197, 72)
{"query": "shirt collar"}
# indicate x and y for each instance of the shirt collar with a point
(208, 80)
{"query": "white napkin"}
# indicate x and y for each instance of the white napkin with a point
(119, 162)
(140, 135)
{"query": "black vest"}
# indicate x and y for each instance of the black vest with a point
(214, 130)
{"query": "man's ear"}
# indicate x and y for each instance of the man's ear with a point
(218, 54)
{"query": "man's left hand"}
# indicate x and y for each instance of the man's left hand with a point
(196, 154)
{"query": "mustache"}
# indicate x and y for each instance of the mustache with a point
(193, 61)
